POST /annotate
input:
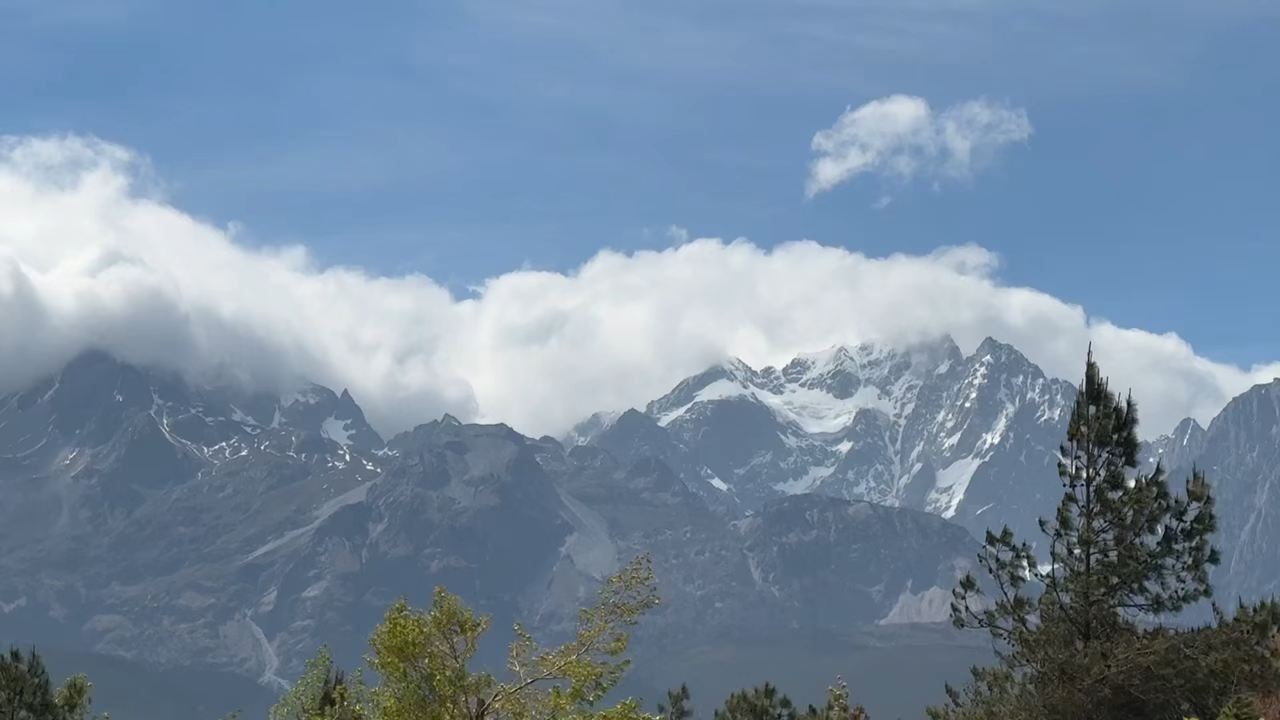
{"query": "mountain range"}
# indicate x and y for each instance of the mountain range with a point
(967, 438)
(185, 525)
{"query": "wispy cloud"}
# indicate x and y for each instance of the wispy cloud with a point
(900, 137)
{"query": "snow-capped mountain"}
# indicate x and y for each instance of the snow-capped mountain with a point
(151, 518)
(176, 524)
(102, 437)
(972, 438)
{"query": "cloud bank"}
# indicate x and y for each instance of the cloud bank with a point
(90, 257)
(900, 137)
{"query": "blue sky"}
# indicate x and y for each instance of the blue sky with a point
(467, 139)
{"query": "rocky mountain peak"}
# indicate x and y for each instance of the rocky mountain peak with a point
(1259, 405)
(991, 347)
(583, 432)
(317, 409)
(919, 425)
(86, 410)
(1175, 450)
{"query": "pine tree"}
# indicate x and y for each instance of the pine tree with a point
(677, 705)
(27, 693)
(763, 702)
(839, 706)
(1077, 636)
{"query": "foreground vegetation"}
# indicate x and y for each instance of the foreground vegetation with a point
(1078, 633)
(27, 693)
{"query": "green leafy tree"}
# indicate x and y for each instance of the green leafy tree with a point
(324, 692)
(1077, 636)
(343, 699)
(677, 705)
(423, 659)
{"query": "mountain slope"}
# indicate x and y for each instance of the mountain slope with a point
(181, 525)
(1240, 454)
(131, 496)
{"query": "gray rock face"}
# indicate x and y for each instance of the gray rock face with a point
(1240, 454)
(828, 560)
(973, 439)
(149, 518)
(181, 525)
(1176, 450)
(136, 507)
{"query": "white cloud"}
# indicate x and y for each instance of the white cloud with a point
(900, 137)
(87, 259)
(678, 235)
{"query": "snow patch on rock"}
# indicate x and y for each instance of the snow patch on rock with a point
(952, 482)
(931, 606)
(337, 430)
